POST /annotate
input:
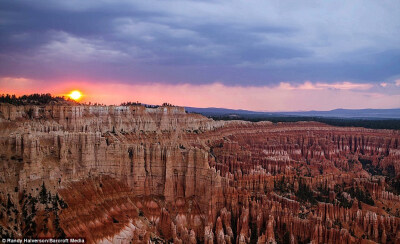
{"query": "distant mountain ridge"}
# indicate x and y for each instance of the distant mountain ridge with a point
(336, 113)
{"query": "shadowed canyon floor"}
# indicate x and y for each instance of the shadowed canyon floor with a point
(131, 174)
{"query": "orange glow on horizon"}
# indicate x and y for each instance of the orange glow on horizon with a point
(75, 95)
(284, 96)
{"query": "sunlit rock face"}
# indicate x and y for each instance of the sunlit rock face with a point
(121, 174)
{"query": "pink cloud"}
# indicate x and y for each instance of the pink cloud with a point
(346, 86)
(319, 86)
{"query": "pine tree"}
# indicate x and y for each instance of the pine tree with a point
(43, 194)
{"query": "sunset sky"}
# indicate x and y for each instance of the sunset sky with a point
(241, 54)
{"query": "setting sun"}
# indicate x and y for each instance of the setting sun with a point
(75, 95)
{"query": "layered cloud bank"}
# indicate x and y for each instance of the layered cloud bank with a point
(258, 55)
(282, 97)
(198, 42)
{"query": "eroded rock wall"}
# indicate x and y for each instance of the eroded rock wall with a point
(160, 174)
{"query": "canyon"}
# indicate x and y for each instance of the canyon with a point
(137, 174)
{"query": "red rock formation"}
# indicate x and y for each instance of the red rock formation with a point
(155, 174)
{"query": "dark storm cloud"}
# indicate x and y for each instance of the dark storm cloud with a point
(234, 42)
